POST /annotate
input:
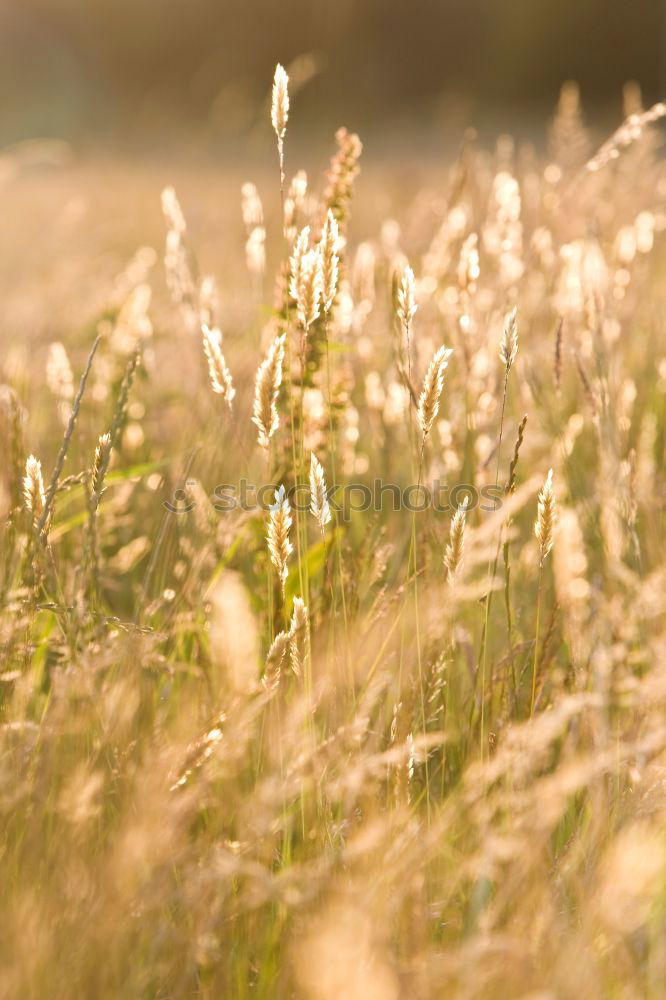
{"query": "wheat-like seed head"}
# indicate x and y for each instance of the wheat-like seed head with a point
(179, 261)
(296, 261)
(280, 102)
(173, 213)
(299, 634)
(454, 550)
(509, 341)
(100, 465)
(220, 376)
(406, 306)
(318, 499)
(275, 659)
(432, 389)
(251, 207)
(253, 219)
(60, 379)
(309, 288)
(511, 484)
(342, 172)
(255, 251)
(328, 250)
(33, 488)
(546, 517)
(266, 389)
(468, 265)
(630, 130)
(209, 301)
(279, 523)
(293, 203)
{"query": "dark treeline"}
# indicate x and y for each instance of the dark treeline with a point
(87, 64)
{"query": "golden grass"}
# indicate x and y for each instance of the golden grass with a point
(314, 752)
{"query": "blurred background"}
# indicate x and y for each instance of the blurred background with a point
(103, 71)
(104, 102)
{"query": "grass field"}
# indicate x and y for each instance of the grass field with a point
(397, 730)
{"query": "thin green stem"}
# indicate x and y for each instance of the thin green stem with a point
(290, 392)
(269, 581)
(413, 560)
(536, 642)
(62, 454)
(509, 615)
(491, 576)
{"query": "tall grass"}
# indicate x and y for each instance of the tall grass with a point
(320, 753)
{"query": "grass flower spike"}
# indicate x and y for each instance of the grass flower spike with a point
(266, 390)
(546, 517)
(220, 376)
(406, 298)
(454, 550)
(280, 112)
(433, 384)
(279, 523)
(509, 342)
(33, 488)
(296, 262)
(309, 288)
(328, 250)
(318, 500)
(299, 634)
(280, 101)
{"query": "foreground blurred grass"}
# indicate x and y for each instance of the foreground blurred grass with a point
(390, 822)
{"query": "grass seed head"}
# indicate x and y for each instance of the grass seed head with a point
(468, 265)
(60, 379)
(328, 250)
(406, 299)
(33, 488)
(509, 342)
(299, 635)
(454, 550)
(433, 384)
(266, 390)
(546, 517)
(318, 500)
(309, 288)
(100, 465)
(279, 523)
(280, 101)
(275, 660)
(220, 376)
(296, 261)
(342, 173)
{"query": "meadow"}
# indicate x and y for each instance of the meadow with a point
(332, 576)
